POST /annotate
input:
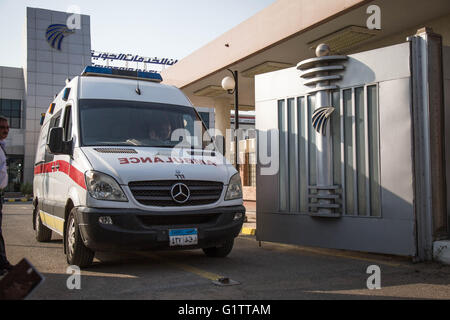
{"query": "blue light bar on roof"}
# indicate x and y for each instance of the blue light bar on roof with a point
(100, 71)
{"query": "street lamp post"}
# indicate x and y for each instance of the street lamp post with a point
(231, 86)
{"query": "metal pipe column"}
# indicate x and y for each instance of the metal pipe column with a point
(320, 72)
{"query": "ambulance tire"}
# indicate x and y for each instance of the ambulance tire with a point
(221, 251)
(43, 234)
(76, 252)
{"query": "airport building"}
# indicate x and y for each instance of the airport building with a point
(353, 145)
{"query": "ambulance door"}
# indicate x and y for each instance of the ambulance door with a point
(60, 177)
(48, 203)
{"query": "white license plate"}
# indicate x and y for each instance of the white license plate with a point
(183, 237)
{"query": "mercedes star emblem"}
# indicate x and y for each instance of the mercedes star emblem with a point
(180, 192)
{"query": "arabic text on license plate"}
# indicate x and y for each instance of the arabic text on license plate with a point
(183, 237)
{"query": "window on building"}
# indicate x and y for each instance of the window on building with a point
(11, 109)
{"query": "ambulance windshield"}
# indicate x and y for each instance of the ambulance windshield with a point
(132, 123)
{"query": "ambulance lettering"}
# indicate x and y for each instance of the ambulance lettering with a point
(123, 160)
(148, 159)
(134, 160)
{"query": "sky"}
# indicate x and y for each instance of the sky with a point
(162, 28)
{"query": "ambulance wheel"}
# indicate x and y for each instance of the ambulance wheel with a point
(221, 251)
(76, 252)
(43, 234)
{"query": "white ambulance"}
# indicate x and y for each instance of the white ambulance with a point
(123, 164)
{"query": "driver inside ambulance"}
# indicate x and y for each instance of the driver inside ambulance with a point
(161, 129)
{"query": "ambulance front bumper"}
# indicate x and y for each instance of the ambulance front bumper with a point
(134, 229)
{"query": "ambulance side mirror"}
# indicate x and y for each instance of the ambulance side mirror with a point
(56, 144)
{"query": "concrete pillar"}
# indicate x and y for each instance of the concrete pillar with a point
(428, 112)
(222, 122)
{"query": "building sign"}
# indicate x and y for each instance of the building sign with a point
(126, 61)
(55, 34)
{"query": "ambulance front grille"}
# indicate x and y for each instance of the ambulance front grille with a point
(158, 193)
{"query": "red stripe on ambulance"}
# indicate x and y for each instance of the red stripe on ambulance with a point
(64, 167)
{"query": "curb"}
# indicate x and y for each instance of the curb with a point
(18, 199)
(248, 231)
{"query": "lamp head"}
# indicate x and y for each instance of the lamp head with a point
(322, 50)
(228, 84)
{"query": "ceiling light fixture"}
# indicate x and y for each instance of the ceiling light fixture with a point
(210, 91)
(265, 67)
(346, 39)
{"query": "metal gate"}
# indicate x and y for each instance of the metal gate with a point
(344, 155)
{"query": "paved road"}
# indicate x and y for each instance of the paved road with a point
(272, 271)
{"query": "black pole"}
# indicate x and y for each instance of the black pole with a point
(236, 117)
(236, 120)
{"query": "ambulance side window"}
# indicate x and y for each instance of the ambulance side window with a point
(68, 123)
(40, 156)
(54, 122)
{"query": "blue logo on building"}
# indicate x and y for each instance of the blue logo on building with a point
(55, 34)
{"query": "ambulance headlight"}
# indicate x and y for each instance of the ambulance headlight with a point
(234, 190)
(103, 187)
